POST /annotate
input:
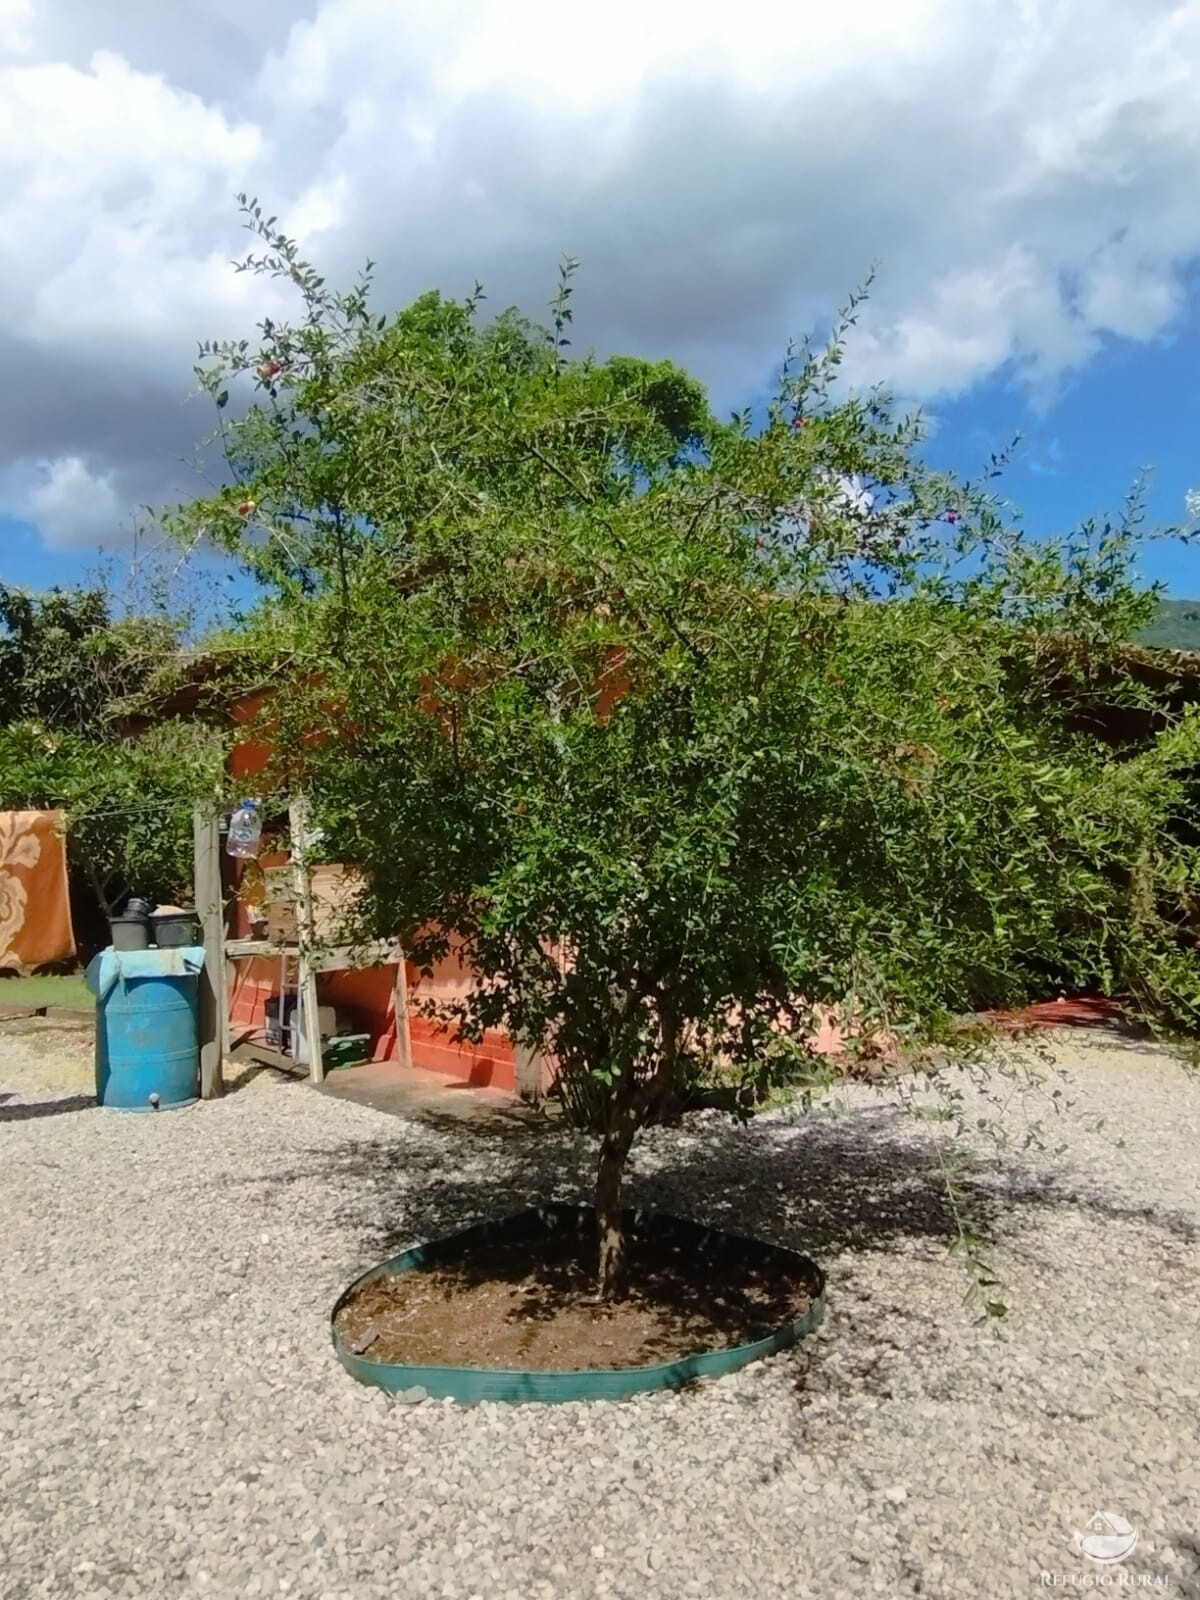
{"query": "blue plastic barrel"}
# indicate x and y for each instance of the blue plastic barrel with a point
(147, 1027)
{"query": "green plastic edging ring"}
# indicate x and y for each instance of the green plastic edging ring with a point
(473, 1384)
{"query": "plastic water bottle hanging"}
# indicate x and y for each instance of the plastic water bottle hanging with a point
(245, 831)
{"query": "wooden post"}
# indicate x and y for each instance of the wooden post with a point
(528, 1072)
(305, 940)
(400, 1002)
(210, 907)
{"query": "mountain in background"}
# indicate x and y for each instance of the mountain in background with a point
(1177, 627)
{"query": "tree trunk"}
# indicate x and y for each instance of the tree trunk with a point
(627, 1112)
(100, 887)
(614, 1148)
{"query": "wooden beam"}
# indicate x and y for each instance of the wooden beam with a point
(304, 918)
(210, 907)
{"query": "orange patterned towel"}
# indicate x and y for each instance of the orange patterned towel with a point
(35, 907)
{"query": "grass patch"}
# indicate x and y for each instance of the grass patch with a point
(46, 990)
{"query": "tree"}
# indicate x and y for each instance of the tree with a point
(128, 803)
(65, 661)
(69, 674)
(683, 731)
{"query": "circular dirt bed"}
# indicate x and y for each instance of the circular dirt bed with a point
(530, 1303)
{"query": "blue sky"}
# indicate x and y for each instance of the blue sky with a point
(1132, 406)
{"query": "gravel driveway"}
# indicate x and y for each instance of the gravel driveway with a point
(173, 1421)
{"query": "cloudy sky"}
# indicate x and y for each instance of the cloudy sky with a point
(1025, 172)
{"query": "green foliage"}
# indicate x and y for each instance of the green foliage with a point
(682, 730)
(318, 480)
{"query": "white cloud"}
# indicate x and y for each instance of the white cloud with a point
(1133, 298)
(16, 26)
(1023, 171)
(110, 180)
(74, 505)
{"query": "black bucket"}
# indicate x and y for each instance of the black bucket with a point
(130, 933)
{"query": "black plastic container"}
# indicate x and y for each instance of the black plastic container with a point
(174, 929)
(279, 1015)
(130, 933)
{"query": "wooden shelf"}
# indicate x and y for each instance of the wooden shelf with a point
(302, 946)
(341, 958)
(268, 1055)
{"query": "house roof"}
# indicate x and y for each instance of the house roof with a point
(210, 682)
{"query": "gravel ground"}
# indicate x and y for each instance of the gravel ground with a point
(173, 1421)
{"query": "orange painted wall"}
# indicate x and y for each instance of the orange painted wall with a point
(249, 756)
(367, 997)
(369, 994)
(491, 1064)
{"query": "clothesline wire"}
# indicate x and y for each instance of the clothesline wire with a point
(140, 805)
(113, 811)
(83, 814)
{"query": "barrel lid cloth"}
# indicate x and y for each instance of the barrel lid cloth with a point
(111, 966)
